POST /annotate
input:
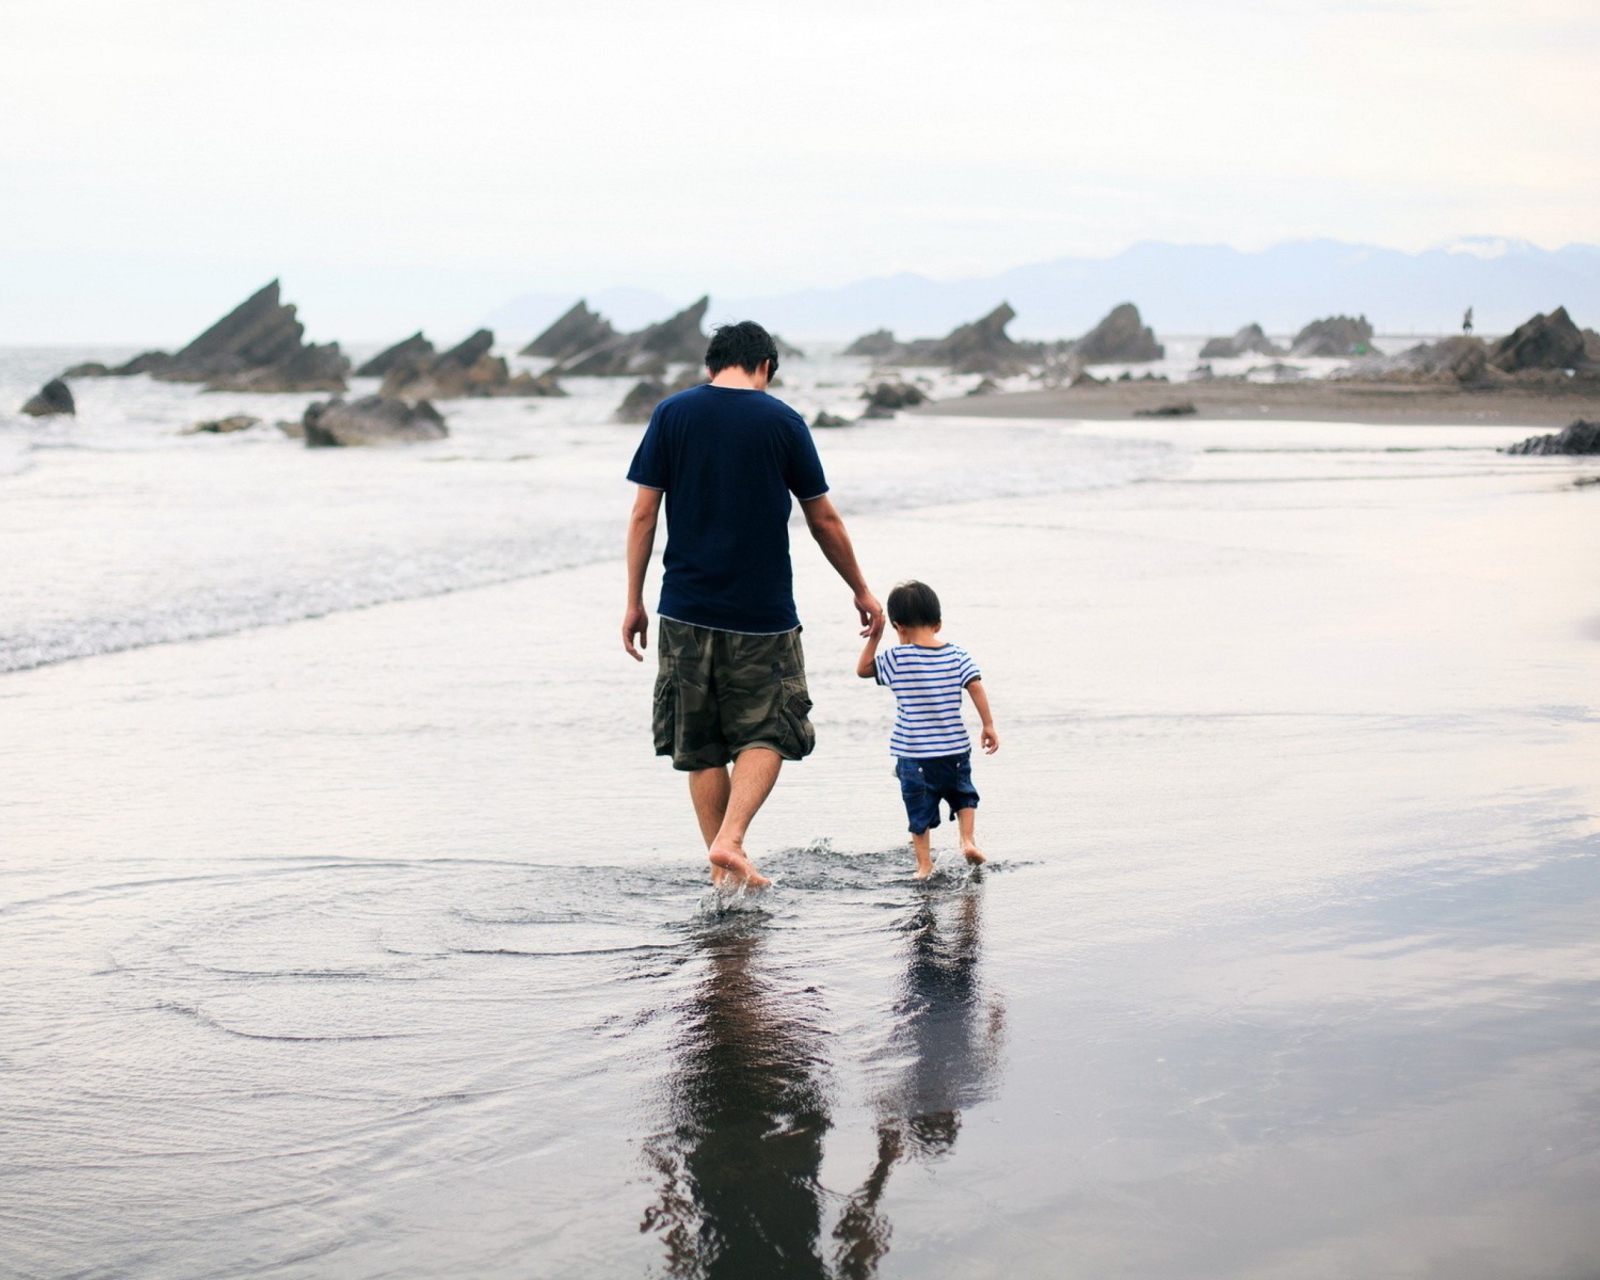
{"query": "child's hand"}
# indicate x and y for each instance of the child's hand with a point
(875, 631)
(990, 740)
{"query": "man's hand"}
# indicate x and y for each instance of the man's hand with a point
(871, 613)
(635, 623)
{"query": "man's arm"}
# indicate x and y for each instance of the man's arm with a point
(641, 541)
(828, 529)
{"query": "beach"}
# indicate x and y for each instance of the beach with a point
(368, 937)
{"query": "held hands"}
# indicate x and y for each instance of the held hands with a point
(871, 613)
(635, 623)
(990, 740)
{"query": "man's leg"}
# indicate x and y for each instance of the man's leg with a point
(709, 789)
(754, 773)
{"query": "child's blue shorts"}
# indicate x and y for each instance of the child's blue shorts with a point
(923, 783)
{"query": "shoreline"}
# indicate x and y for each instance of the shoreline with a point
(1308, 401)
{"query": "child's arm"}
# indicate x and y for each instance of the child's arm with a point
(867, 663)
(980, 699)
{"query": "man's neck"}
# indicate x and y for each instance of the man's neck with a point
(741, 379)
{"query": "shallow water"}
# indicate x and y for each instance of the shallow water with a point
(377, 944)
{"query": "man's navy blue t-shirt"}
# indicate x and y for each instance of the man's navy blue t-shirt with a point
(728, 459)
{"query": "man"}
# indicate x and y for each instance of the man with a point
(731, 688)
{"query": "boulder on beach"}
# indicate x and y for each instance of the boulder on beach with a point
(577, 332)
(258, 346)
(1176, 409)
(372, 420)
(1121, 338)
(647, 393)
(826, 421)
(678, 339)
(1249, 341)
(222, 426)
(886, 398)
(416, 347)
(55, 397)
(1544, 342)
(1338, 336)
(875, 345)
(1578, 438)
(1459, 360)
(467, 369)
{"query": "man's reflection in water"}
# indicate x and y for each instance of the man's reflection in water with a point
(952, 1034)
(738, 1169)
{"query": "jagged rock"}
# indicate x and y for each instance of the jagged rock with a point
(1249, 341)
(1335, 336)
(1544, 342)
(640, 403)
(145, 362)
(416, 347)
(55, 397)
(89, 369)
(1178, 409)
(1591, 347)
(467, 369)
(1460, 359)
(1579, 438)
(1121, 338)
(876, 345)
(258, 346)
(372, 420)
(825, 420)
(677, 339)
(787, 351)
(982, 346)
(223, 426)
(576, 333)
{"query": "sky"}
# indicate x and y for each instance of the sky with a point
(412, 162)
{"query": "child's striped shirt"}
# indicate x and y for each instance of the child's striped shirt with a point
(927, 685)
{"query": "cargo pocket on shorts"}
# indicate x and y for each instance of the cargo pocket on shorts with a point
(664, 715)
(795, 709)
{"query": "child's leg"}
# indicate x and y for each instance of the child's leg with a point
(922, 846)
(966, 820)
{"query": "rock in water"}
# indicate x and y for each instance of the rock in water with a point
(416, 347)
(223, 426)
(1579, 438)
(884, 399)
(877, 344)
(258, 346)
(89, 369)
(640, 403)
(1121, 338)
(1338, 336)
(1177, 409)
(372, 420)
(54, 397)
(675, 340)
(145, 362)
(1544, 342)
(1460, 359)
(576, 333)
(1249, 341)
(467, 369)
(982, 346)
(825, 420)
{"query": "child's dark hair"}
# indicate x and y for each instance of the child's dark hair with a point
(745, 344)
(913, 604)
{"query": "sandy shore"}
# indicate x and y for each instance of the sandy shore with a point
(1307, 401)
(374, 944)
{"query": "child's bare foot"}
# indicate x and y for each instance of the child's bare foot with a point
(924, 870)
(732, 861)
(973, 854)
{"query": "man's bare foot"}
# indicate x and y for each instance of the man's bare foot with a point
(734, 863)
(973, 854)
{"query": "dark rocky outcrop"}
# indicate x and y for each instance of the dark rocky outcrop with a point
(825, 420)
(258, 346)
(1338, 336)
(1459, 360)
(982, 346)
(144, 362)
(223, 426)
(467, 369)
(1177, 409)
(89, 369)
(372, 420)
(647, 393)
(55, 397)
(576, 333)
(678, 339)
(1249, 341)
(1121, 338)
(875, 345)
(411, 349)
(887, 397)
(1544, 342)
(1579, 438)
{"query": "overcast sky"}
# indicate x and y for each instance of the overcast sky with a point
(412, 161)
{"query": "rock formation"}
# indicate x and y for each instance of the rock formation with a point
(258, 346)
(372, 420)
(983, 346)
(884, 399)
(1121, 338)
(1579, 438)
(877, 344)
(787, 351)
(144, 362)
(1544, 342)
(1338, 336)
(55, 397)
(1177, 409)
(414, 348)
(467, 369)
(1249, 341)
(1461, 359)
(647, 393)
(825, 420)
(647, 353)
(576, 333)
(89, 369)
(223, 426)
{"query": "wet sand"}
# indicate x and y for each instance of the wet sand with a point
(377, 944)
(1311, 400)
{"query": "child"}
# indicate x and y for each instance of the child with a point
(934, 754)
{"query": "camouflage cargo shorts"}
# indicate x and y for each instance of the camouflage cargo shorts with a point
(721, 692)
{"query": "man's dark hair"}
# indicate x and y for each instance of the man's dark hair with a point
(745, 344)
(913, 604)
